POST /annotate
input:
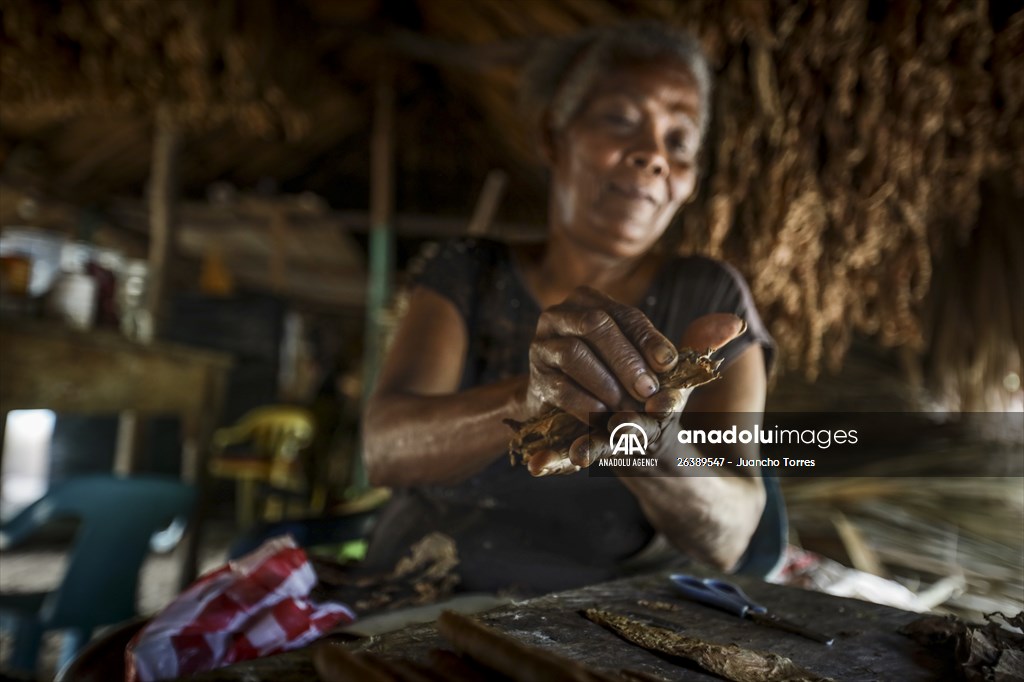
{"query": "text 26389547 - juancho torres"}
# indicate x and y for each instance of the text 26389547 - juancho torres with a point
(775, 462)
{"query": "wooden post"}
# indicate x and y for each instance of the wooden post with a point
(487, 203)
(197, 432)
(381, 209)
(162, 194)
(163, 188)
(130, 432)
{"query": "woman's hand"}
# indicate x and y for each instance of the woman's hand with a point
(593, 354)
(707, 513)
(660, 412)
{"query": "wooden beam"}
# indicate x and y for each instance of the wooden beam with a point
(204, 217)
(163, 188)
(347, 290)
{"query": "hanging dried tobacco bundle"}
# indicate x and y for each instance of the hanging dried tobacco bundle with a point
(542, 443)
(848, 148)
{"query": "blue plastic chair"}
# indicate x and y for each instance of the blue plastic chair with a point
(118, 518)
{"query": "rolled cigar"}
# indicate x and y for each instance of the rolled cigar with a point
(400, 671)
(510, 657)
(451, 666)
(335, 663)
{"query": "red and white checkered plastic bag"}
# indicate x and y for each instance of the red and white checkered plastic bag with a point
(255, 606)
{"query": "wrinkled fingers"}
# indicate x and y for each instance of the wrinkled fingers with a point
(601, 334)
(658, 351)
(561, 358)
(667, 400)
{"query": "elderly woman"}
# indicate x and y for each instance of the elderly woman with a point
(585, 322)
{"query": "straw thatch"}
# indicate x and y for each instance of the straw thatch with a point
(208, 62)
(847, 157)
(871, 131)
(924, 530)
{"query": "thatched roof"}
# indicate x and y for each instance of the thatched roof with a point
(852, 142)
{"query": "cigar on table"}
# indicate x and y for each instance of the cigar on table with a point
(511, 657)
(405, 671)
(451, 666)
(335, 663)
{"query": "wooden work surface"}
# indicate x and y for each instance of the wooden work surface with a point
(44, 365)
(868, 645)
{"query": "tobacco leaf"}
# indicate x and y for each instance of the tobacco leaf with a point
(975, 652)
(726, 660)
(542, 442)
(427, 573)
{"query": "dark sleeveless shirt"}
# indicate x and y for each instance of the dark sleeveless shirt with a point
(514, 531)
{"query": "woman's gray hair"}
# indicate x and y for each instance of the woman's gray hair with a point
(563, 71)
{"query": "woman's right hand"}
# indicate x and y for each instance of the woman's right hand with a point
(593, 354)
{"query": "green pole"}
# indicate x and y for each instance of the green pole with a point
(379, 253)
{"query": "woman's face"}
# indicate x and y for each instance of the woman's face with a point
(627, 160)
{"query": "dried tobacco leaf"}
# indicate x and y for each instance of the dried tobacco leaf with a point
(542, 443)
(974, 652)
(726, 660)
(427, 573)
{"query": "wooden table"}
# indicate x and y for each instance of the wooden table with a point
(48, 366)
(868, 645)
